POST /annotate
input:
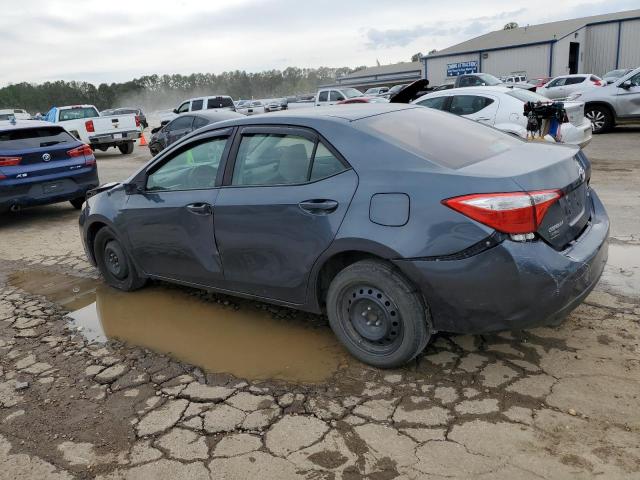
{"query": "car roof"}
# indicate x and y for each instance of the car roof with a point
(6, 125)
(217, 115)
(304, 116)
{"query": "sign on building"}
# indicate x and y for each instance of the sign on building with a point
(460, 68)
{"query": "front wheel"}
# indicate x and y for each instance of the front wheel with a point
(377, 314)
(601, 119)
(126, 148)
(113, 262)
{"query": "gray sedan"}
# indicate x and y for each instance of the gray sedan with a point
(377, 215)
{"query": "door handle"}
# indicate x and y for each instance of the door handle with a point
(200, 208)
(318, 206)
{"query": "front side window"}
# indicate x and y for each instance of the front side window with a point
(196, 105)
(183, 108)
(194, 168)
(635, 80)
(281, 159)
(558, 82)
(436, 102)
(468, 104)
(323, 96)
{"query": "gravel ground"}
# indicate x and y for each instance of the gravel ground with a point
(545, 403)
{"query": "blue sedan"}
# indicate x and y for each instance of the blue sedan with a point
(42, 163)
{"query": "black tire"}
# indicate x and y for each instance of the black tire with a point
(377, 314)
(601, 118)
(126, 148)
(77, 202)
(114, 263)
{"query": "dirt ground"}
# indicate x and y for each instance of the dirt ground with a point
(171, 382)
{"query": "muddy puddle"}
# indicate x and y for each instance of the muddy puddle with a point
(248, 343)
(623, 269)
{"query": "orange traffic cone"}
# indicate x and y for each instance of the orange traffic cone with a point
(143, 141)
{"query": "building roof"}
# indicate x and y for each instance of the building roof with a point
(393, 69)
(532, 34)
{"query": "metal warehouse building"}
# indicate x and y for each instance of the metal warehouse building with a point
(583, 45)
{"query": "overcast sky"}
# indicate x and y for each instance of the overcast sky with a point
(117, 40)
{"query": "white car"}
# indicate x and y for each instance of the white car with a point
(503, 108)
(213, 102)
(250, 107)
(17, 113)
(331, 96)
(376, 91)
(563, 86)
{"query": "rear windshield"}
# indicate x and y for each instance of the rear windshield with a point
(34, 138)
(76, 113)
(219, 102)
(436, 135)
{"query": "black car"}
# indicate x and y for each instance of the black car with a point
(42, 163)
(123, 111)
(186, 123)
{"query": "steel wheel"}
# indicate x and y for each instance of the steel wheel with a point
(373, 321)
(115, 261)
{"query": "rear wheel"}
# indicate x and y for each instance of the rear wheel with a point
(377, 314)
(114, 263)
(77, 202)
(126, 148)
(601, 119)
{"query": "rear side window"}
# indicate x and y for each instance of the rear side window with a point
(281, 159)
(196, 105)
(574, 80)
(435, 136)
(181, 123)
(219, 102)
(34, 138)
(468, 104)
(323, 97)
(199, 123)
(77, 113)
(437, 102)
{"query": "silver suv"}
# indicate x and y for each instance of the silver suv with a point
(616, 103)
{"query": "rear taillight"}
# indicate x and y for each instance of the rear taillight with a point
(597, 83)
(137, 121)
(515, 212)
(83, 150)
(89, 126)
(10, 161)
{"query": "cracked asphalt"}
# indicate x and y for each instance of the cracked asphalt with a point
(547, 403)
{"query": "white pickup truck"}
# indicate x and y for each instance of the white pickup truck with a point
(100, 132)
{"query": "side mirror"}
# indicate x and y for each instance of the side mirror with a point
(626, 85)
(132, 188)
(155, 130)
(175, 110)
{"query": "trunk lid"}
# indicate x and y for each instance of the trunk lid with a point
(114, 124)
(535, 166)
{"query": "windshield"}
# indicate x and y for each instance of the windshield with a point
(527, 96)
(489, 79)
(351, 93)
(616, 73)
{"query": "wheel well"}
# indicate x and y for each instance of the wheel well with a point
(604, 105)
(94, 228)
(333, 266)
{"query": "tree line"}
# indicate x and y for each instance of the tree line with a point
(164, 91)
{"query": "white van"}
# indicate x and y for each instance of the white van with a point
(331, 96)
(213, 102)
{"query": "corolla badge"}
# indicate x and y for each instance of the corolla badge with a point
(581, 172)
(46, 157)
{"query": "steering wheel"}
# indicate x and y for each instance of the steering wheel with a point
(202, 176)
